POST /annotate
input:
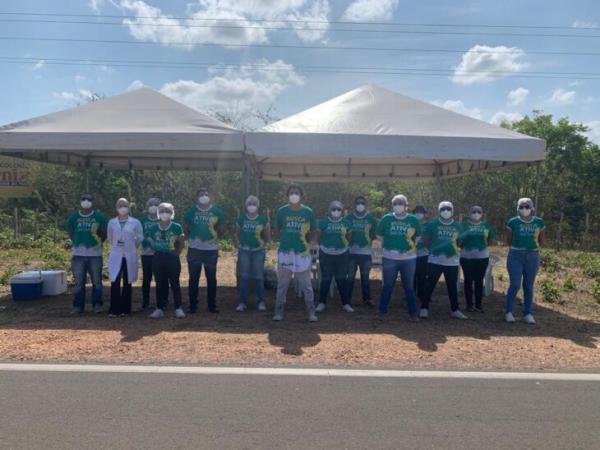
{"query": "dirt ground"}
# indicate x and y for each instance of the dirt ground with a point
(44, 331)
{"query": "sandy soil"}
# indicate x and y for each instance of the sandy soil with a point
(44, 331)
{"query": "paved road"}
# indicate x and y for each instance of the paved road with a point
(113, 410)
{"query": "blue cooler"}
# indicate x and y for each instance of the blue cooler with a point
(26, 286)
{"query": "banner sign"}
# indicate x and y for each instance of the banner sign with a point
(15, 178)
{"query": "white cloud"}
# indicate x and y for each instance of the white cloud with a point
(368, 10)
(562, 97)
(584, 24)
(81, 96)
(136, 84)
(236, 93)
(505, 117)
(517, 96)
(39, 65)
(459, 107)
(594, 133)
(241, 22)
(482, 64)
(79, 78)
(95, 5)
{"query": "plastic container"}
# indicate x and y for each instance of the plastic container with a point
(54, 282)
(26, 286)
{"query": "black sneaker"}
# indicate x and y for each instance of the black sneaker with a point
(213, 310)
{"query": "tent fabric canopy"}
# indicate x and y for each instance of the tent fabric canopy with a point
(374, 133)
(141, 129)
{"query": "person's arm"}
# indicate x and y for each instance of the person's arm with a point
(109, 232)
(313, 234)
(541, 238)
(373, 228)
(237, 235)
(491, 237)
(139, 234)
(509, 236)
(179, 244)
(70, 227)
(103, 229)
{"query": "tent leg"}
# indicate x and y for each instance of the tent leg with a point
(537, 184)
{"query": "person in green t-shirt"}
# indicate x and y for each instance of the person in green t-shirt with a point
(441, 237)
(420, 212)
(253, 231)
(362, 224)
(475, 256)
(203, 223)
(334, 236)
(295, 227)
(525, 235)
(167, 240)
(148, 220)
(398, 232)
(87, 230)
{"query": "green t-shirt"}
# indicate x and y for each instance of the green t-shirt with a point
(525, 234)
(251, 232)
(475, 236)
(86, 231)
(163, 241)
(443, 247)
(203, 227)
(147, 224)
(294, 225)
(361, 228)
(333, 238)
(399, 235)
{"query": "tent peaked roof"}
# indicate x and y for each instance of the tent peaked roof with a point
(371, 132)
(141, 129)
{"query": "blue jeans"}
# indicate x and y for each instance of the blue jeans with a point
(252, 266)
(197, 259)
(391, 268)
(364, 264)
(522, 266)
(81, 266)
(334, 266)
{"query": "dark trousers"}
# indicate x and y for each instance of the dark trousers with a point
(364, 264)
(196, 260)
(434, 271)
(333, 266)
(146, 279)
(167, 268)
(120, 299)
(474, 272)
(421, 277)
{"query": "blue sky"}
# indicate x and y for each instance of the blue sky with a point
(466, 81)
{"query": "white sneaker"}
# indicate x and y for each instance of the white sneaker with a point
(262, 306)
(313, 318)
(157, 314)
(179, 313)
(424, 313)
(459, 315)
(277, 317)
(241, 307)
(348, 308)
(529, 319)
(509, 317)
(320, 307)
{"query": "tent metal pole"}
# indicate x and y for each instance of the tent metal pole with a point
(537, 183)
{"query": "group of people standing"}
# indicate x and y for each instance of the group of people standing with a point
(419, 248)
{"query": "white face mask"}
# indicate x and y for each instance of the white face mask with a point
(165, 216)
(476, 216)
(398, 208)
(446, 214)
(525, 212)
(252, 209)
(335, 214)
(86, 204)
(153, 209)
(360, 208)
(419, 216)
(204, 199)
(294, 199)
(123, 210)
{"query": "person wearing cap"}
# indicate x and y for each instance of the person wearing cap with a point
(295, 227)
(441, 237)
(420, 213)
(203, 223)
(476, 236)
(525, 235)
(87, 230)
(252, 232)
(167, 240)
(148, 220)
(398, 232)
(334, 233)
(362, 226)
(125, 234)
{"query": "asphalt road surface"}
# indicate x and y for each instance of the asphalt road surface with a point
(146, 410)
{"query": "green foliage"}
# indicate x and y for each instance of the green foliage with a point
(226, 245)
(549, 261)
(596, 290)
(55, 258)
(550, 290)
(589, 264)
(569, 283)
(7, 275)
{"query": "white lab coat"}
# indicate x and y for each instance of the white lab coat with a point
(131, 235)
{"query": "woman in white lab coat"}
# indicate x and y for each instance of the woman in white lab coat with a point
(125, 234)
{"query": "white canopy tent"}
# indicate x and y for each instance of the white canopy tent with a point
(374, 133)
(142, 129)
